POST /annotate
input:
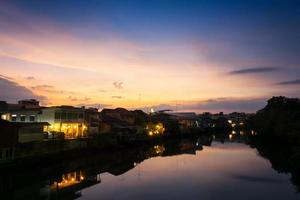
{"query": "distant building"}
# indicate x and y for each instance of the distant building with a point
(92, 121)
(222, 123)
(24, 111)
(110, 124)
(29, 103)
(22, 115)
(187, 119)
(237, 119)
(119, 113)
(206, 121)
(170, 124)
(120, 119)
(68, 120)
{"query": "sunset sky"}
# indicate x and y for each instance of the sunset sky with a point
(203, 55)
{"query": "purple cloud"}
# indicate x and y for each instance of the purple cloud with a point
(12, 91)
(254, 70)
(292, 82)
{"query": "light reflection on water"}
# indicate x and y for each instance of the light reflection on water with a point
(222, 171)
(203, 167)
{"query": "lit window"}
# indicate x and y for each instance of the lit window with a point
(13, 118)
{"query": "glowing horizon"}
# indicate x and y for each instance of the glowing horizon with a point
(123, 55)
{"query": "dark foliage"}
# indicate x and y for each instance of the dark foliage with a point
(280, 118)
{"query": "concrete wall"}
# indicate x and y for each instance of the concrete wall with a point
(31, 134)
(44, 148)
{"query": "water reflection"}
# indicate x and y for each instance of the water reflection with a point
(208, 166)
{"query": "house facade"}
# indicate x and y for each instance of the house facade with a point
(68, 120)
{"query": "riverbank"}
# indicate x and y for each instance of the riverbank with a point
(56, 151)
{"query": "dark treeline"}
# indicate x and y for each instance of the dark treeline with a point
(280, 119)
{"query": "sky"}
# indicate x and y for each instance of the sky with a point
(187, 55)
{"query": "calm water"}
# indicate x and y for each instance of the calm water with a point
(199, 168)
(222, 171)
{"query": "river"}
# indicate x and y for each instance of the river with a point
(206, 167)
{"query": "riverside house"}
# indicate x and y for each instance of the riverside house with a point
(68, 120)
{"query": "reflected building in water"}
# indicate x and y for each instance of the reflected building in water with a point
(66, 180)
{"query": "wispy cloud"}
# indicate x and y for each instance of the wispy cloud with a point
(30, 78)
(116, 97)
(45, 88)
(102, 91)
(292, 82)
(42, 87)
(257, 179)
(118, 85)
(254, 70)
(85, 99)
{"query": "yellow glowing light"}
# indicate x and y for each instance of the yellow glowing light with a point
(230, 136)
(155, 129)
(229, 121)
(4, 117)
(159, 149)
(253, 132)
(233, 132)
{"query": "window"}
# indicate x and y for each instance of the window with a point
(13, 118)
(72, 116)
(80, 116)
(4, 117)
(32, 118)
(57, 115)
(22, 118)
(63, 115)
